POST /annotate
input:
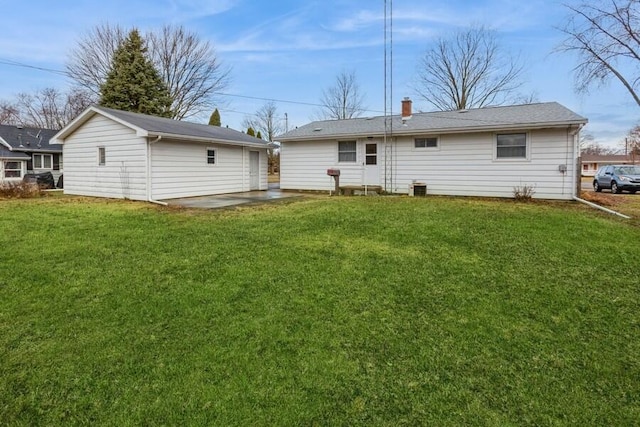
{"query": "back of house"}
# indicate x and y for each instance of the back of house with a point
(489, 152)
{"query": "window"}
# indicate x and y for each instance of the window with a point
(102, 156)
(431, 142)
(13, 169)
(511, 146)
(211, 156)
(42, 161)
(371, 154)
(347, 151)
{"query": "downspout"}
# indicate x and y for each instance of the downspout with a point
(574, 182)
(149, 181)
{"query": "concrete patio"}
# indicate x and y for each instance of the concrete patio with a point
(233, 199)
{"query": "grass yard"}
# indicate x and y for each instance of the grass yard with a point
(325, 311)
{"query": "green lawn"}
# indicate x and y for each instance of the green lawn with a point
(325, 311)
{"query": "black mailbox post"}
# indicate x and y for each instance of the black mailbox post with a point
(335, 173)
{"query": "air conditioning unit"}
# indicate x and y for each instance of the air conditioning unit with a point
(417, 189)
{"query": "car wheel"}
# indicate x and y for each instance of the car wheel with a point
(596, 187)
(614, 188)
(633, 191)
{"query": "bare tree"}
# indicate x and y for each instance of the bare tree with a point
(90, 61)
(51, 109)
(190, 69)
(468, 70)
(267, 122)
(188, 65)
(9, 113)
(604, 36)
(343, 100)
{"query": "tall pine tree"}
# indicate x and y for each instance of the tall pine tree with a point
(133, 83)
(214, 120)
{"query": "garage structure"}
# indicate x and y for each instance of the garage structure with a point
(119, 154)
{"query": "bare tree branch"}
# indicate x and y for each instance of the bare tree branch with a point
(51, 109)
(468, 70)
(189, 66)
(605, 39)
(9, 113)
(266, 121)
(343, 100)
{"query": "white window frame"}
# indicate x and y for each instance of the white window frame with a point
(527, 141)
(426, 138)
(102, 156)
(5, 169)
(354, 151)
(41, 158)
(214, 157)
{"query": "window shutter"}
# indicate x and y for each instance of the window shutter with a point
(56, 162)
(30, 164)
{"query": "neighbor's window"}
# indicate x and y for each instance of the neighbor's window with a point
(431, 142)
(102, 156)
(13, 169)
(347, 151)
(42, 161)
(211, 156)
(511, 146)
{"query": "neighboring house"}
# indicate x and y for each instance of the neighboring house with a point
(27, 150)
(118, 154)
(478, 152)
(592, 162)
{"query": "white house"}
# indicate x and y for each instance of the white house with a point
(477, 152)
(118, 154)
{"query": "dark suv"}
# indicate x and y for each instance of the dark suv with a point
(617, 178)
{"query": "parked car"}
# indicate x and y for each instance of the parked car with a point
(617, 178)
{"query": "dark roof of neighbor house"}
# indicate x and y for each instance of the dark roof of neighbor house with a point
(5, 153)
(158, 126)
(28, 139)
(605, 158)
(540, 115)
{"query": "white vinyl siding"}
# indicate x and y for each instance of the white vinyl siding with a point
(303, 165)
(463, 165)
(180, 169)
(124, 172)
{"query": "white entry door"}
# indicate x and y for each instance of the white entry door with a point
(371, 164)
(254, 170)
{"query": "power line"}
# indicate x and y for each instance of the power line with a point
(233, 95)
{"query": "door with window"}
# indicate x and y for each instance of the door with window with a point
(254, 170)
(371, 164)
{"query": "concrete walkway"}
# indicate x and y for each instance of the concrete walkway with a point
(233, 199)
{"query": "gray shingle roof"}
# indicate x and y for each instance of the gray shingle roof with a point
(12, 155)
(489, 118)
(28, 139)
(162, 126)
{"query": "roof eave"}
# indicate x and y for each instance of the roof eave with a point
(205, 140)
(439, 131)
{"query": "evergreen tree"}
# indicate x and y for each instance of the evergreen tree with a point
(251, 132)
(133, 83)
(259, 135)
(214, 120)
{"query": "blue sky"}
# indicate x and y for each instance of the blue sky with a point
(292, 50)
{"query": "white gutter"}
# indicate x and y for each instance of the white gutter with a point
(602, 208)
(211, 140)
(149, 182)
